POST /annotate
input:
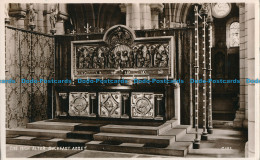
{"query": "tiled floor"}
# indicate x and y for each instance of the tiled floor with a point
(224, 143)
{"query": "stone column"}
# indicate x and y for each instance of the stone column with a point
(136, 18)
(47, 11)
(177, 102)
(252, 71)
(156, 8)
(240, 113)
(7, 20)
(62, 16)
(39, 22)
(145, 16)
(128, 15)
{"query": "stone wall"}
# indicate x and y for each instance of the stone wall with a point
(18, 16)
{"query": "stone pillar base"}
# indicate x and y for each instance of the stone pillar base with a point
(60, 28)
(196, 144)
(240, 117)
(246, 150)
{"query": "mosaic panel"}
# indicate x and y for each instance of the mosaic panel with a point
(142, 105)
(79, 104)
(110, 104)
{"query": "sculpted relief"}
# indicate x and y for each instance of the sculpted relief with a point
(121, 53)
(122, 56)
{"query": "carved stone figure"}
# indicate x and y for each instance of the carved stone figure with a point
(140, 58)
(31, 14)
(111, 60)
(101, 60)
(157, 59)
(53, 17)
(147, 59)
(125, 59)
(119, 35)
(118, 59)
(87, 59)
(164, 61)
(95, 60)
(81, 61)
(131, 60)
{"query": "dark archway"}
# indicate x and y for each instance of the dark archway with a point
(96, 15)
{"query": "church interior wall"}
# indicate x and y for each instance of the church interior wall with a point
(102, 16)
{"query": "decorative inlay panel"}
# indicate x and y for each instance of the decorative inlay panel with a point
(79, 104)
(110, 104)
(142, 105)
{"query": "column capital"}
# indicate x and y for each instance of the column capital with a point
(240, 5)
(7, 20)
(176, 85)
(63, 95)
(123, 7)
(63, 13)
(17, 10)
(157, 7)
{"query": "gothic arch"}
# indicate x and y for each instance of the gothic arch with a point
(177, 12)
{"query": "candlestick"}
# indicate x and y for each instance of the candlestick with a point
(210, 126)
(196, 143)
(204, 135)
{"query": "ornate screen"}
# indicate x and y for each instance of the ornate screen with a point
(121, 55)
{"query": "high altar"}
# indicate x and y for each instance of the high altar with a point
(121, 56)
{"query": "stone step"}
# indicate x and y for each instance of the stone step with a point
(32, 141)
(57, 154)
(38, 132)
(88, 127)
(134, 138)
(47, 141)
(52, 125)
(177, 133)
(81, 135)
(148, 130)
(187, 127)
(176, 149)
(213, 151)
(135, 129)
(73, 143)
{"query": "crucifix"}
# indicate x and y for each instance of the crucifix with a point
(164, 23)
(101, 30)
(87, 28)
(73, 32)
(181, 24)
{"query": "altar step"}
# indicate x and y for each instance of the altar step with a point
(69, 126)
(166, 139)
(176, 149)
(46, 141)
(53, 134)
(136, 129)
(175, 141)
